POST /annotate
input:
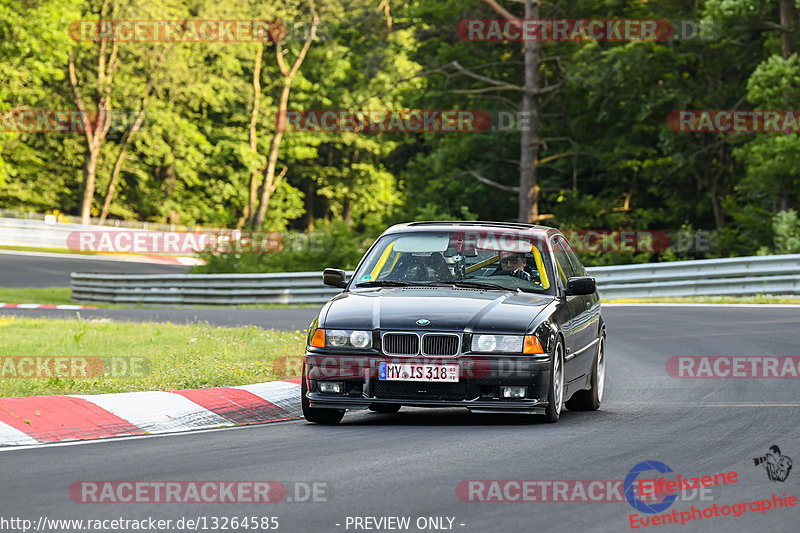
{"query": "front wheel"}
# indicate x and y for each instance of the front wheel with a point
(315, 414)
(555, 393)
(589, 400)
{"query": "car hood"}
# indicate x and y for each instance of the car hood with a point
(447, 309)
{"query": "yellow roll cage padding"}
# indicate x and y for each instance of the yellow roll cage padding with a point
(537, 258)
(382, 261)
(482, 264)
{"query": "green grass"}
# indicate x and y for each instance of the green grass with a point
(49, 295)
(62, 296)
(46, 250)
(167, 356)
(761, 299)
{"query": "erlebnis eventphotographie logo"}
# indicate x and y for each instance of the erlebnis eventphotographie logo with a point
(777, 465)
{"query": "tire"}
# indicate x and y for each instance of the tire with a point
(589, 400)
(384, 407)
(555, 391)
(316, 414)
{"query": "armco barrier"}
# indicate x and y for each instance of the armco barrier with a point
(39, 234)
(200, 289)
(778, 274)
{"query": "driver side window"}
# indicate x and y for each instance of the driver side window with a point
(565, 267)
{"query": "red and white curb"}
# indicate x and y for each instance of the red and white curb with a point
(44, 306)
(48, 419)
(155, 259)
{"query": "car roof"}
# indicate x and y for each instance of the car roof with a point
(444, 225)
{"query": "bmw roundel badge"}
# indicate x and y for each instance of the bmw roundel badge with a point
(423, 322)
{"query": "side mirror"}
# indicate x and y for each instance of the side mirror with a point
(334, 277)
(581, 286)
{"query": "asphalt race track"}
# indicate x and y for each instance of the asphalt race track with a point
(409, 464)
(20, 269)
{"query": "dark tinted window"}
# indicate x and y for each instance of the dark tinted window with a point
(574, 260)
(565, 267)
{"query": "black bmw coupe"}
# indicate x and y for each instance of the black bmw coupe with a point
(494, 317)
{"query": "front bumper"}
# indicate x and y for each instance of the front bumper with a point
(478, 387)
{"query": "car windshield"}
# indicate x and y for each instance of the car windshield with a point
(481, 259)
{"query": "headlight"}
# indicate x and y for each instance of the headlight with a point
(361, 339)
(497, 343)
(341, 338)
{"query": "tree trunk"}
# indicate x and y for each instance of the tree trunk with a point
(347, 209)
(529, 136)
(127, 139)
(309, 206)
(89, 176)
(787, 20)
(256, 172)
(270, 180)
(95, 132)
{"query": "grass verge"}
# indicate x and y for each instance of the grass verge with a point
(103, 356)
(45, 250)
(37, 295)
(62, 296)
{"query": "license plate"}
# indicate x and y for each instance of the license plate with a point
(417, 372)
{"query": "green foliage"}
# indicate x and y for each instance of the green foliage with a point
(335, 246)
(786, 226)
(786, 230)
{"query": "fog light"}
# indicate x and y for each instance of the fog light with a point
(513, 392)
(330, 387)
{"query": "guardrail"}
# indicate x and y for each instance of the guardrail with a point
(41, 234)
(736, 276)
(739, 276)
(202, 289)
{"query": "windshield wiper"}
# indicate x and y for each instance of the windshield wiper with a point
(473, 285)
(481, 285)
(387, 283)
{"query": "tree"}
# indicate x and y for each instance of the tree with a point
(271, 181)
